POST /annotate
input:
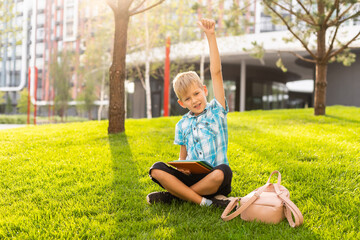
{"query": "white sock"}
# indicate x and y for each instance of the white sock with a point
(205, 202)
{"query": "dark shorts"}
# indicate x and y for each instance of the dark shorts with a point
(189, 180)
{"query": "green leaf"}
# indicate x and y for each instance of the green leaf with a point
(280, 65)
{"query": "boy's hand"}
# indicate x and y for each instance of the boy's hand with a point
(184, 171)
(207, 25)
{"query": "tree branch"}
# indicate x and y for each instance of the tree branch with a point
(140, 75)
(332, 23)
(138, 6)
(289, 28)
(112, 5)
(128, 3)
(332, 43)
(336, 6)
(145, 9)
(307, 11)
(301, 57)
(352, 16)
(344, 47)
(293, 13)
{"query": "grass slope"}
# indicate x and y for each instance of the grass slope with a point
(74, 181)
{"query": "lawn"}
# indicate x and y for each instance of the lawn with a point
(69, 181)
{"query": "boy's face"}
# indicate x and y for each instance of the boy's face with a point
(194, 99)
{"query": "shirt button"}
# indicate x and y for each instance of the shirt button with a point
(200, 153)
(194, 129)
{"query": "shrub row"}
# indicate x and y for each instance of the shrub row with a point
(22, 119)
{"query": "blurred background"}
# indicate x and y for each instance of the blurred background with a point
(57, 53)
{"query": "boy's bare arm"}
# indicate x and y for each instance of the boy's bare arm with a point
(183, 152)
(208, 26)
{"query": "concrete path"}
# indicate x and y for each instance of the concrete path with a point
(8, 126)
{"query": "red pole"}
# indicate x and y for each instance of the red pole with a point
(35, 93)
(28, 107)
(167, 78)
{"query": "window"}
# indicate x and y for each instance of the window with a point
(18, 50)
(39, 48)
(18, 65)
(40, 19)
(40, 35)
(41, 4)
(60, 46)
(70, 20)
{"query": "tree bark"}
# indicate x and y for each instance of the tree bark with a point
(102, 93)
(147, 68)
(321, 66)
(89, 114)
(320, 89)
(117, 73)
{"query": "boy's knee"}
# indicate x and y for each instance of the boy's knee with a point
(225, 172)
(225, 169)
(158, 170)
(156, 173)
(218, 176)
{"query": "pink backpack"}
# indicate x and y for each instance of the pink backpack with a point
(269, 204)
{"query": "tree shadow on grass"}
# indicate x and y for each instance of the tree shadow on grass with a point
(126, 200)
(342, 119)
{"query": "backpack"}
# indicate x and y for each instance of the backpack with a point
(269, 203)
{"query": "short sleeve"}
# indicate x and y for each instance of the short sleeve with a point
(217, 107)
(179, 136)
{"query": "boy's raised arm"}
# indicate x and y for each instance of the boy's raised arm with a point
(208, 26)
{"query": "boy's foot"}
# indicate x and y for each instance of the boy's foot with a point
(160, 197)
(220, 201)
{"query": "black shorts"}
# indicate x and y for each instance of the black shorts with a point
(189, 180)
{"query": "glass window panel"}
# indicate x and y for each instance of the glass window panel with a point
(41, 4)
(41, 19)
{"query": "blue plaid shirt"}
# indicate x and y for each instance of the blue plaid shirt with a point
(206, 135)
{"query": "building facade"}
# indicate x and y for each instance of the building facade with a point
(49, 27)
(45, 28)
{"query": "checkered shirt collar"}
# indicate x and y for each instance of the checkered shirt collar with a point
(192, 115)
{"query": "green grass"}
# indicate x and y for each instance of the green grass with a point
(72, 181)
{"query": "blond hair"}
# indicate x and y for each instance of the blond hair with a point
(184, 80)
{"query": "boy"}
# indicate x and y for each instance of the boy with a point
(201, 134)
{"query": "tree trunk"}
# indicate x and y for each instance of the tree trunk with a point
(102, 93)
(117, 74)
(147, 68)
(147, 89)
(62, 114)
(321, 66)
(320, 89)
(202, 62)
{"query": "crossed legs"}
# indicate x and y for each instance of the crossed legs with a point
(206, 186)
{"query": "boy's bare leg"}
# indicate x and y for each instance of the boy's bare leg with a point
(209, 184)
(206, 186)
(175, 186)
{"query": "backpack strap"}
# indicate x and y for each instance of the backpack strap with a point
(243, 207)
(279, 177)
(290, 208)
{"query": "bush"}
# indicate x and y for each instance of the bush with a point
(22, 119)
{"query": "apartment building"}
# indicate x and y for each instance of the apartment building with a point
(44, 28)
